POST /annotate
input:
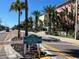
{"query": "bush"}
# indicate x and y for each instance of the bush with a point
(47, 32)
(56, 33)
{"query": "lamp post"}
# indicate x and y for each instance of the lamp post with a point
(76, 18)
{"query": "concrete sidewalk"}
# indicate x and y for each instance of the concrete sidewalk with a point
(73, 41)
(10, 52)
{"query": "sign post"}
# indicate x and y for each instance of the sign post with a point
(24, 49)
(33, 39)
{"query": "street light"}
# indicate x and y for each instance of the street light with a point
(76, 19)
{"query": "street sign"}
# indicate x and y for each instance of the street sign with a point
(32, 39)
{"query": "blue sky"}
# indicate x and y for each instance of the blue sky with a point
(11, 18)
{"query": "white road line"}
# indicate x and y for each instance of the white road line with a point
(46, 50)
(58, 43)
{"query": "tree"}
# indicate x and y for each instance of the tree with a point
(14, 27)
(18, 6)
(40, 24)
(54, 18)
(26, 17)
(0, 21)
(60, 20)
(72, 1)
(31, 23)
(36, 13)
(67, 19)
(48, 11)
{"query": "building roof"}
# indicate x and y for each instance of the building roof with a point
(65, 3)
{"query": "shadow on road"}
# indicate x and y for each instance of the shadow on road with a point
(51, 39)
(51, 55)
(73, 52)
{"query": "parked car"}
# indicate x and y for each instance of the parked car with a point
(22, 58)
(7, 29)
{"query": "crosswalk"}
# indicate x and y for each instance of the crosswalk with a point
(6, 51)
(2, 53)
(2, 36)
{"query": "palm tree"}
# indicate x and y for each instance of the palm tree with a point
(36, 13)
(0, 21)
(31, 23)
(40, 24)
(67, 17)
(26, 17)
(18, 6)
(48, 11)
(54, 18)
(64, 19)
(72, 1)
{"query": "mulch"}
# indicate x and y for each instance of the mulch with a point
(18, 47)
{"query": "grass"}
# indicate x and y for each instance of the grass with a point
(67, 36)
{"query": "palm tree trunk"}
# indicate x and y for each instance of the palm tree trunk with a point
(26, 18)
(36, 23)
(26, 24)
(18, 24)
(49, 24)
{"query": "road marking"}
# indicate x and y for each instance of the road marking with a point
(55, 49)
(47, 57)
(59, 43)
(48, 52)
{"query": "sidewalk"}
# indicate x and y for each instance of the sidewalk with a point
(73, 41)
(10, 52)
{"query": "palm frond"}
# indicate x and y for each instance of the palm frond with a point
(72, 1)
(13, 7)
(16, 6)
(48, 9)
(17, 1)
(22, 4)
(36, 13)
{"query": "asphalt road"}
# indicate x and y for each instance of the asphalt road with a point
(2, 50)
(61, 50)
(57, 49)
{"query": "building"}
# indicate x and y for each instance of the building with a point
(59, 8)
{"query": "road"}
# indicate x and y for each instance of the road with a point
(6, 51)
(58, 49)
(2, 50)
(55, 48)
(61, 50)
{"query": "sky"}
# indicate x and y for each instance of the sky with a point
(10, 18)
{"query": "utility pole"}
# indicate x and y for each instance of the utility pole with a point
(76, 18)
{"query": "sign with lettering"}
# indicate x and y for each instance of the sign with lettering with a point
(32, 39)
